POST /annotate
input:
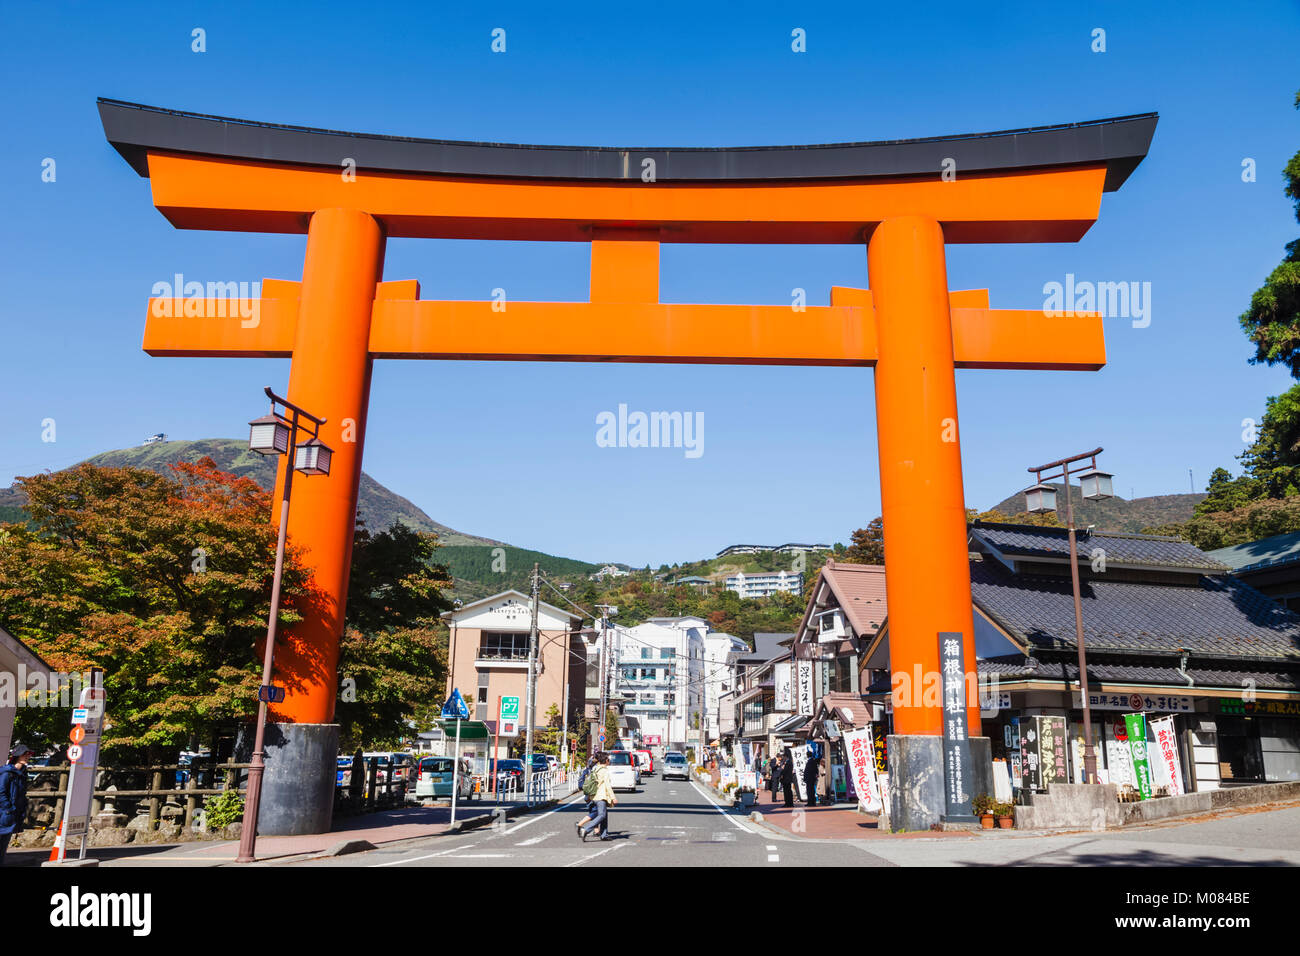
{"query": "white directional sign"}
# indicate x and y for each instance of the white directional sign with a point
(85, 764)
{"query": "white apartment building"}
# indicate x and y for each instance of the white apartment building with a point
(720, 651)
(761, 584)
(658, 667)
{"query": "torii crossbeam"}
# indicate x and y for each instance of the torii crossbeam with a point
(904, 200)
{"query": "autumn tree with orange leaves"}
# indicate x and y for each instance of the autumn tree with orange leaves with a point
(164, 581)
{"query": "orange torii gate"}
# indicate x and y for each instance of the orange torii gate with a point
(350, 193)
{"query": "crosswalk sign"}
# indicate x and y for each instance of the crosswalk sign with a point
(455, 708)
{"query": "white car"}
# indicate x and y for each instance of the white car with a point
(433, 779)
(623, 771)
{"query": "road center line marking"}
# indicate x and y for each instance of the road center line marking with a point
(427, 856)
(537, 839)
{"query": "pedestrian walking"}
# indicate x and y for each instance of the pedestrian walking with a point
(787, 776)
(603, 798)
(582, 785)
(13, 795)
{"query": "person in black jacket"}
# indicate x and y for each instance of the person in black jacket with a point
(810, 774)
(787, 776)
(13, 795)
(774, 775)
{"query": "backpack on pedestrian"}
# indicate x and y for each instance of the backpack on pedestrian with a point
(591, 784)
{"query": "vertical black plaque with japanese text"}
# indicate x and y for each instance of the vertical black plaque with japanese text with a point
(956, 741)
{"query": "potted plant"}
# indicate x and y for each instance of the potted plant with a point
(1005, 814)
(982, 807)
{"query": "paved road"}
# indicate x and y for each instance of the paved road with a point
(665, 823)
(680, 824)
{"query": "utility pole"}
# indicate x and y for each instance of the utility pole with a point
(605, 654)
(532, 687)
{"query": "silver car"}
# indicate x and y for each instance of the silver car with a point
(675, 765)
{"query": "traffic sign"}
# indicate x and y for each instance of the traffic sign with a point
(80, 715)
(74, 753)
(455, 708)
(270, 694)
(78, 734)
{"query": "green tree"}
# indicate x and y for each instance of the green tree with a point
(393, 655)
(163, 581)
(611, 728)
(1272, 322)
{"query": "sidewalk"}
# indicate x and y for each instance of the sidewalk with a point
(840, 821)
(375, 828)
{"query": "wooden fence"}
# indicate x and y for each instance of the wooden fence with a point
(130, 788)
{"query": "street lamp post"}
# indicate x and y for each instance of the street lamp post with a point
(1041, 498)
(275, 434)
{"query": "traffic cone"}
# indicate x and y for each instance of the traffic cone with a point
(55, 852)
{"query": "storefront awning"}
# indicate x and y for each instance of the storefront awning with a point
(790, 725)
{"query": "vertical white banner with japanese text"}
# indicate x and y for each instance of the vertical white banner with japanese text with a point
(784, 699)
(806, 688)
(862, 765)
(1168, 770)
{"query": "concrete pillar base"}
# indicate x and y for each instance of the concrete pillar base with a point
(298, 786)
(917, 795)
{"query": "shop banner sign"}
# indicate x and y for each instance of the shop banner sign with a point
(1167, 754)
(1042, 752)
(956, 743)
(1158, 703)
(784, 702)
(800, 755)
(859, 746)
(806, 687)
(1051, 742)
(747, 754)
(1136, 726)
(1119, 761)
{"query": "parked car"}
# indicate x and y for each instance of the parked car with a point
(675, 765)
(400, 764)
(511, 769)
(433, 778)
(623, 771)
(343, 771)
(542, 763)
(647, 762)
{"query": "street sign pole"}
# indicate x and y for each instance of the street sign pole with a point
(88, 722)
(494, 767)
(455, 774)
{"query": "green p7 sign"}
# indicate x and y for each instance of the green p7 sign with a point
(509, 708)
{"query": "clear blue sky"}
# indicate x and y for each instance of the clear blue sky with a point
(508, 450)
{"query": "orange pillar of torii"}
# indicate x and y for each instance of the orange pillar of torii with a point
(904, 200)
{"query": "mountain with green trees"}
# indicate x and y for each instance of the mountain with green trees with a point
(378, 506)
(480, 566)
(1115, 514)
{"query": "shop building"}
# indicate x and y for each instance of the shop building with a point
(488, 651)
(1168, 632)
(847, 610)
